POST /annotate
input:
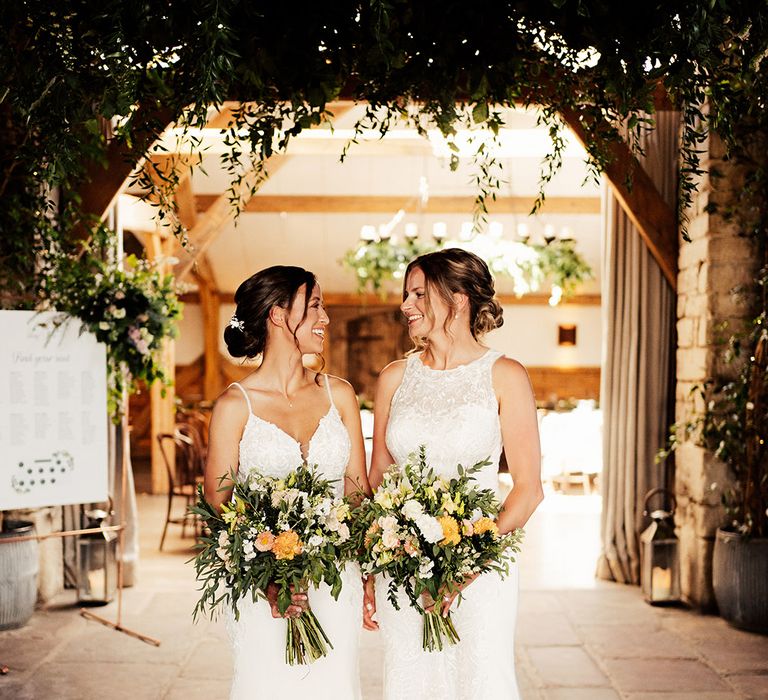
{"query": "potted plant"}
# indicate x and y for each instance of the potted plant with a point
(735, 427)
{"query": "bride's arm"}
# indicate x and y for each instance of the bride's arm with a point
(356, 478)
(389, 379)
(520, 436)
(227, 422)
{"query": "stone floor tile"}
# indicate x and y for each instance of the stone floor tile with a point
(545, 629)
(725, 695)
(197, 689)
(581, 694)
(742, 653)
(211, 659)
(754, 687)
(566, 666)
(661, 675)
(99, 644)
(616, 642)
(622, 606)
(540, 602)
(86, 681)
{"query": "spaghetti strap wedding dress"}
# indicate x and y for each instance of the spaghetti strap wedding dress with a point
(455, 414)
(258, 639)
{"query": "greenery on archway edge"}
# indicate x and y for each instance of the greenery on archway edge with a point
(69, 67)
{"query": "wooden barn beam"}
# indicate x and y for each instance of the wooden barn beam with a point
(655, 220)
(353, 204)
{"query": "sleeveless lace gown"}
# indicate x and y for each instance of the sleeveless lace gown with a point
(455, 414)
(258, 639)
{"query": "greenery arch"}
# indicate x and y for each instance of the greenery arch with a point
(72, 67)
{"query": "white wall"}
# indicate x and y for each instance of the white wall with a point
(529, 335)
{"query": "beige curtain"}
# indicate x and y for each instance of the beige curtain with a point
(638, 364)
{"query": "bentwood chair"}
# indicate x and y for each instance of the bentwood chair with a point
(183, 477)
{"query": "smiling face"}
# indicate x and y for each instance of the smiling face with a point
(423, 315)
(310, 333)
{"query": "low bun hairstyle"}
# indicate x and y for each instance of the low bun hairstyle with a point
(456, 271)
(273, 286)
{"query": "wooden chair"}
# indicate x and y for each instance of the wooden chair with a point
(183, 478)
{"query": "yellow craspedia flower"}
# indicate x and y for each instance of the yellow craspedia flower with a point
(484, 525)
(450, 527)
(286, 545)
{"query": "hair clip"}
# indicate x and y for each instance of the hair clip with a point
(235, 322)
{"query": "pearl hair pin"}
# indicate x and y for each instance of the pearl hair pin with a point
(235, 322)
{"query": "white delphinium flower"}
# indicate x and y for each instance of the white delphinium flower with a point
(316, 541)
(323, 507)
(425, 568)
(412, 509)
(248, 551)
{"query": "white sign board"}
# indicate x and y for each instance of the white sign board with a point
(53, 413)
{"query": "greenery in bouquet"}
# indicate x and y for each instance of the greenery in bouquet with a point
(430, 534)
(290, 532)
(129, 307)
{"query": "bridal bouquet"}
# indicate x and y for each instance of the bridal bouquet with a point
(291, 532)
(428, 534)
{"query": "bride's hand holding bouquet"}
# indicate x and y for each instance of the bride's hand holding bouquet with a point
(274, 539)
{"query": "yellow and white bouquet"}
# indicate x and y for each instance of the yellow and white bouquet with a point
(429, 534)
(291, 532)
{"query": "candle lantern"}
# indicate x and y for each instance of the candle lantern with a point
(660, 563)
(96, 562)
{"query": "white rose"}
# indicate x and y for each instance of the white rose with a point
(390, 539)
(412, 509)
(387, 522)
(344, 532)
(332, 522)
(430, 528)
(223, 538)
(316, 541)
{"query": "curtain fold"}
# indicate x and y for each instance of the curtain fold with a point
(639, 308)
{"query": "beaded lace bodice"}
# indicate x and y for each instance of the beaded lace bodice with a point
(268, 449)
(453, 412)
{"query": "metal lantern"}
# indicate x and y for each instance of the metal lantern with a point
(660, 561)
(96, 562)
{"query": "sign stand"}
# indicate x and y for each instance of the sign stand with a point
(87, 614)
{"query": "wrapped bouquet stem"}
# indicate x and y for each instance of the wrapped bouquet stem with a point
(282, 534)
(431, 534)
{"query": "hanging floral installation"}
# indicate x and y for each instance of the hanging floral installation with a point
(375, 261)
(127, 304)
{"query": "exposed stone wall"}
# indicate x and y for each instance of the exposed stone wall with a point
(714, 262)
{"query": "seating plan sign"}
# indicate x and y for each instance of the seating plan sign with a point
(53, 413)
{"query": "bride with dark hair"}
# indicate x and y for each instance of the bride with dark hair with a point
(465, 402)
(279, 416)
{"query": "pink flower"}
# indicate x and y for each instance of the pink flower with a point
(264, 541)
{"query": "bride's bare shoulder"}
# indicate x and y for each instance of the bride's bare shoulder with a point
(393, 372)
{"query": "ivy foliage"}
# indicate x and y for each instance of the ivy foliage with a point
(72, 67)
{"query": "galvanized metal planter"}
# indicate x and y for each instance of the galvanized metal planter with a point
(740, 579)
(19, 562)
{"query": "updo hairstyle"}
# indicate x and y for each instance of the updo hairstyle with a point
(454, 270)
(273, 286)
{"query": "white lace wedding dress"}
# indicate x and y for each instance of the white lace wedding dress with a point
(258, 639)
(454, 413)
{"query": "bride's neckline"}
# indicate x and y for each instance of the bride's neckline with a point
(451, 369)
(300, 445)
